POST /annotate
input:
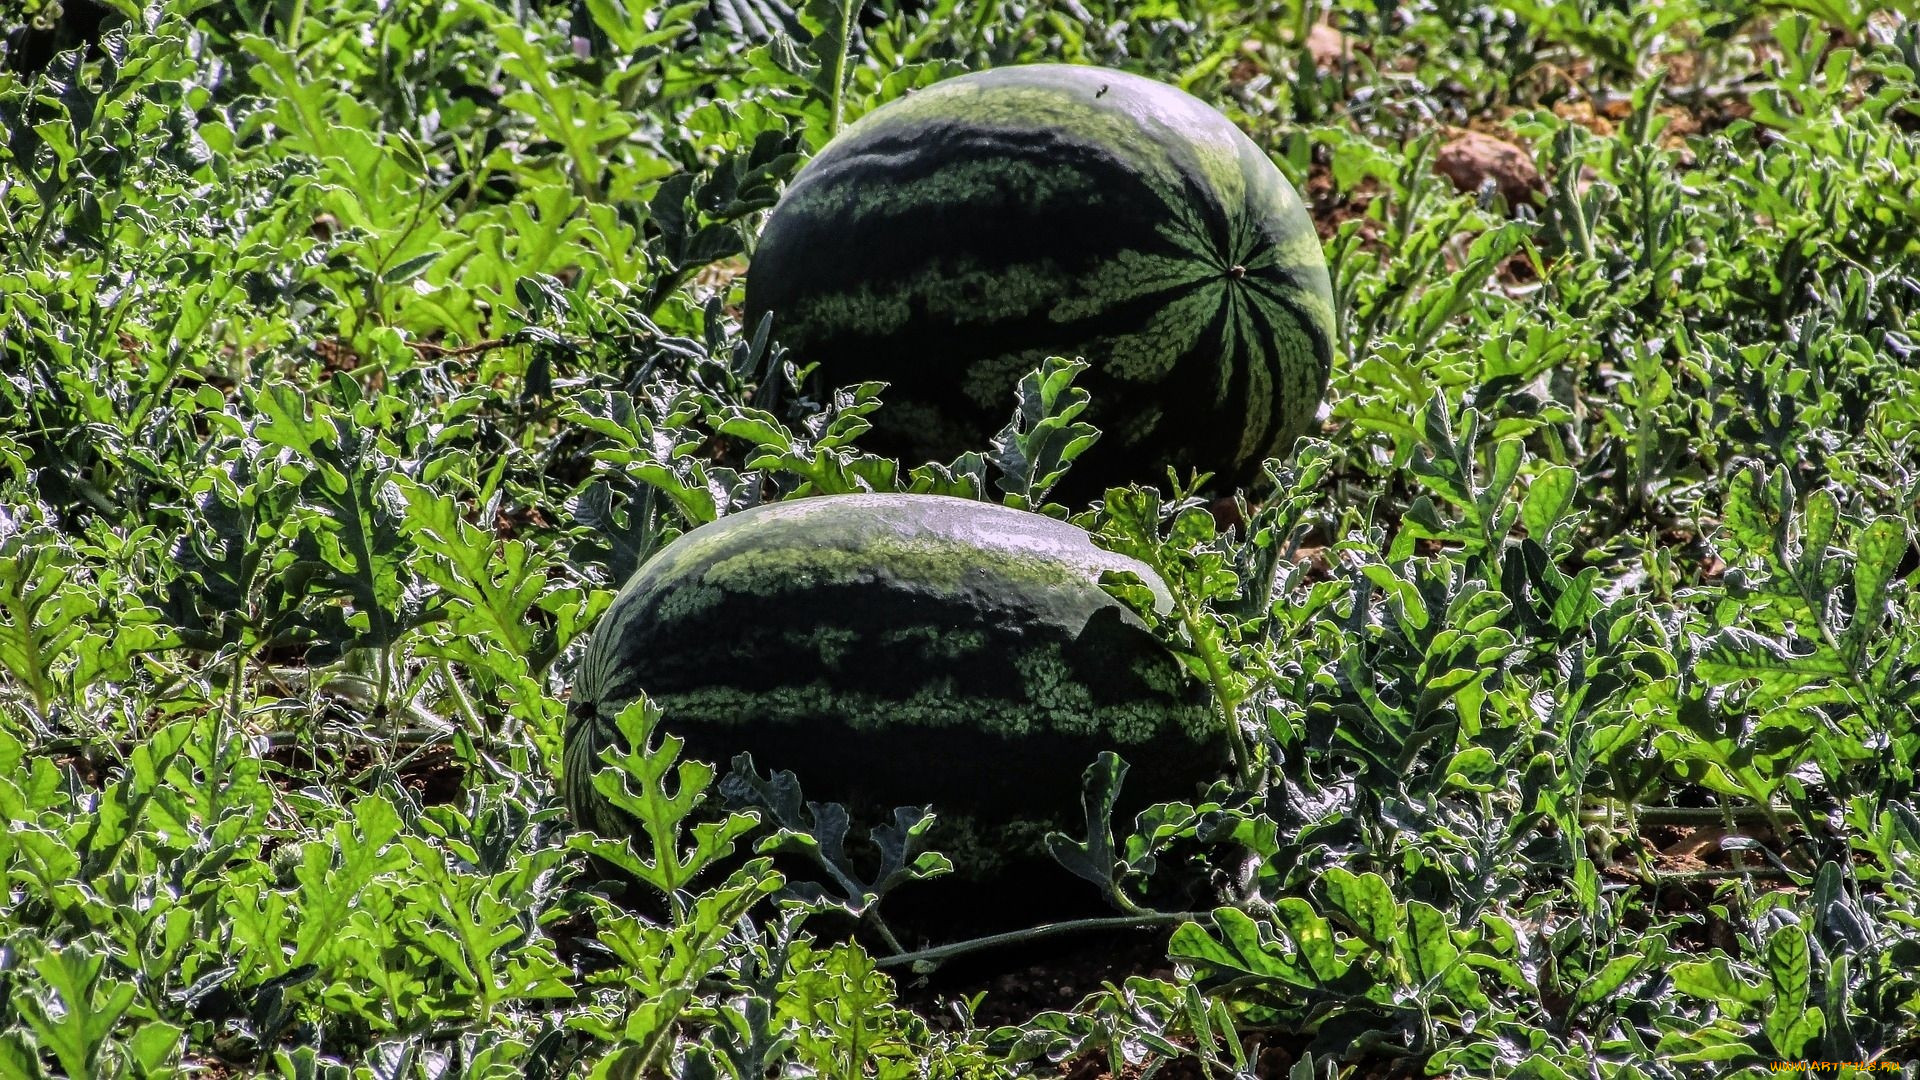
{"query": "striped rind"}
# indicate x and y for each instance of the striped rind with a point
(949, 241)
(895, 650)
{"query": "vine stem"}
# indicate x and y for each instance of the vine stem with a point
(843, 45)
(1221, 678)
(293, 23)
(1020, 937)
(1685, 877)
(462, 702)
(1693, 815)
(428, 348)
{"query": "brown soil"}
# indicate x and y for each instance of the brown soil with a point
(1330, 208)
(1473, 159)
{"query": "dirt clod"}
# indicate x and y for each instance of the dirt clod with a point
(1327, 46)
(1472, 159)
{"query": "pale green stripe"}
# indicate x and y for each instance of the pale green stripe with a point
(1128, 276)
(1172, 334)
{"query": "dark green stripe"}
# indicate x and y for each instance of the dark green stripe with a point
(1272, 359)
(1306, 319)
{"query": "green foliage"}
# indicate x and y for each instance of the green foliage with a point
(352, 355)
(818, 833)
(1038, 445)
(649, 784)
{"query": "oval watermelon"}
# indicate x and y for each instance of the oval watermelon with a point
(949, 241)
(898, 650)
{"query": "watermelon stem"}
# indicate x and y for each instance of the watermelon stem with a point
(1222, 681)
(831, 46)
(941, 953)
(872, 918)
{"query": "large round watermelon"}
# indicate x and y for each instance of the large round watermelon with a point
(949, 241)
(898, 650)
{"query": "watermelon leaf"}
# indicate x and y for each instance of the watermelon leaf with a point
(619, 537)
(757, 20)
(633, 447)
(1193, 563)
(833, 26)
(1093, 859)
(818, 832)
(78, 1011)
(1033, 452)
(1882, 544)
(669, 849)
(666, 964)
(630, 29)
(43, 610)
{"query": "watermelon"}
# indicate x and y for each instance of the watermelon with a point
(898, 650)
(950, 241)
